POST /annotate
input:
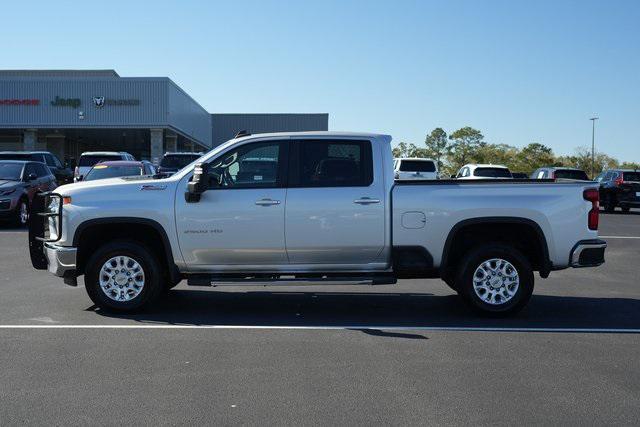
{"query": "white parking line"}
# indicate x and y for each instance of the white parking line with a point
(619, 237)
(333, 328)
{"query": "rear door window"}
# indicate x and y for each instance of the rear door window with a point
(90, 160)
(492, 173)
(417, 166)
(631, 176)
(571, 174)
(332, 163)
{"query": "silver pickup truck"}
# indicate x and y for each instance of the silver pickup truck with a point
(312, 208)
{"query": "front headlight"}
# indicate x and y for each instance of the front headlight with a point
(7, 192)
(54, 205)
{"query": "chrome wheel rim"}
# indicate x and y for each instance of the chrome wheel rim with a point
(121, 278)
(496, 281)
(24, 213)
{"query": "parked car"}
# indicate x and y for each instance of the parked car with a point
(62, 173)
(173, 162)
(415, 168)
(90, 158)
(118, 168)
(619, 187)
(331, 213)
(19, 181)
(483, 171)
(560, 173)
(519, 175)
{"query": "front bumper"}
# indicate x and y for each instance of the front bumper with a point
(588, 253)
(61, 260)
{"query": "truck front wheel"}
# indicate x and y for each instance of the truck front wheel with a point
(123, 276)
(495, 279)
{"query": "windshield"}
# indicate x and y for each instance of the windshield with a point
(91, 160)
(631, 176)
(10, 171)
(106, 171)
(417, 166)
(178, 161)
(571, 174)
(493, 173)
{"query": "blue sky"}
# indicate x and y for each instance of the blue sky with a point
(520, 71)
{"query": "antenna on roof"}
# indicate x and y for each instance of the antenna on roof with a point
(242, 133)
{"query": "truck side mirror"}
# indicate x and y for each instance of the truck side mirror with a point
(199, 183)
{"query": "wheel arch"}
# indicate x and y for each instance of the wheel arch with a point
(524, 229)
(93, 232)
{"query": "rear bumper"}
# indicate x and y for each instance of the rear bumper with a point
(61, 260)
(588, 253)
(629, 203)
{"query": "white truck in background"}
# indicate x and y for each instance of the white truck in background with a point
(408, 168)
(312, 208)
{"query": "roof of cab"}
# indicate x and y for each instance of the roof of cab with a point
(311, 134)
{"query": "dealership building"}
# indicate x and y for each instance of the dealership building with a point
(68, 112)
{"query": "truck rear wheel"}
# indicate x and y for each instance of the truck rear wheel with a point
(123, 276)
(495, 279)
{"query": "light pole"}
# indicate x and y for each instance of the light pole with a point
(593, 145)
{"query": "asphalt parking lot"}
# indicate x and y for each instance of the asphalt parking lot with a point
(405, 354)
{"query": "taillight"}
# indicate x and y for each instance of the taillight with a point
(553, 174)
(593, 195)
(619, 180)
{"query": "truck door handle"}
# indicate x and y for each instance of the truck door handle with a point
(267, 202)
(366, 201)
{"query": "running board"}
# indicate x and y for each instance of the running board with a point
(287, 280)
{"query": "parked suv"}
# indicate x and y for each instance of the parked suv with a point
(560, 173)
(19, 181)
(90, 158)
(415, 168)
(482, 171)
(619, 187)
(173, 162)
(62, 173)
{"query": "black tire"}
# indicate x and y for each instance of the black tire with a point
(474, 259)
(153, 285)
(626, 209)
(18, 219)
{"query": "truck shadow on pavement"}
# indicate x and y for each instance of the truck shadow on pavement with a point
(380, 310)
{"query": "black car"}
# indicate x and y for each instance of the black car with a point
(560, 173)
(63, 174)
(619, 187)
(519, 175)
(19, 182)
(173, 162)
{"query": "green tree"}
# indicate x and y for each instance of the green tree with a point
(630, 165)
(532, 157)
(497, 154)
(408, 150)
(437, 144)
(581, 159)
(400, 150)
(465, 143)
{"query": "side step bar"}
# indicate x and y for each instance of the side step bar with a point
(287, 280)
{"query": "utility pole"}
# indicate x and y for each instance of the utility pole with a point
(593, 145)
